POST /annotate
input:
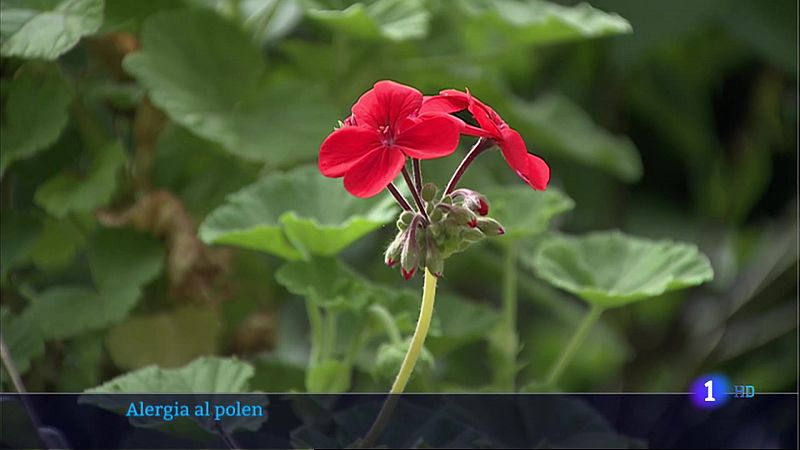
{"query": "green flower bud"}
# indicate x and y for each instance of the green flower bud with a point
(429, 191)
(409, 255)
(392, 253)
(406, 217)
(472, 235)
(460, 215)
(437, 215)
(490, 227)
(433, 257)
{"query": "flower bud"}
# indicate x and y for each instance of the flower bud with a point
(490, 227)
(392, 253)
(409, 255)
(437, 215)
(429, 191)
(461, 215)
(433, 257)
(472, 200)
(405, 218)
(472, 235)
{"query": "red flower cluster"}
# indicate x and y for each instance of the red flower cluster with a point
(392, 121)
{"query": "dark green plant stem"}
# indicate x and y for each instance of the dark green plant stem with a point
(415, 194)
(572, 347)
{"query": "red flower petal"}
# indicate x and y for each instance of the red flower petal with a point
(532, 169)
(387, 103)
(431, 137)
(486, 118)
(538, 173)
(373, 172)
(448, 101)
(344, 147)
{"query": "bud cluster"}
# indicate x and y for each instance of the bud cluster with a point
(450, 225)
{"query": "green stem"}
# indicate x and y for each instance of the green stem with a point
(315, 322)
(506, 371)
(329, 334)
(410, 360)
(573, 345)
(420, 333)
(385, 317)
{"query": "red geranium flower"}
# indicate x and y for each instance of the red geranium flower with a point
(532, 169)
(386, 125)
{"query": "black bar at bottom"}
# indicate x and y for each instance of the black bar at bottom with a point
(104, 421)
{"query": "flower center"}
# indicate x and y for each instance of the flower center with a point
(387, 135)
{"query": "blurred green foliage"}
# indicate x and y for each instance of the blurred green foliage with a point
(128, 124)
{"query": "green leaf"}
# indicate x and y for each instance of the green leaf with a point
(166, 340)
(203, 375)
(189, 77)
(64, 312)
(265, 20)
(58, 243)
(560, 127)
(276, 375)
(525, 212)
(19, 232)
(35, 112)
(46, 28)
(197, 170)
(23, 339)
(295, 214)
(395, 20)
(536, 22)
(67, 192)
(328, 282)
(597, 361)
(122, 259)
(610, 269)
(329, 376)
(83, 362)
(389, 357)
(462, 322)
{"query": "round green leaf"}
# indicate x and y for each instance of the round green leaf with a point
(68, 311)
(35, 112)
(294, 215)
(66, 192)
(610, 269)
(167, 339)
(203, 375)
(46, 28)
(537, 22)
(395, 20)
(525, 212)
(328, 282)
(189, 76)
